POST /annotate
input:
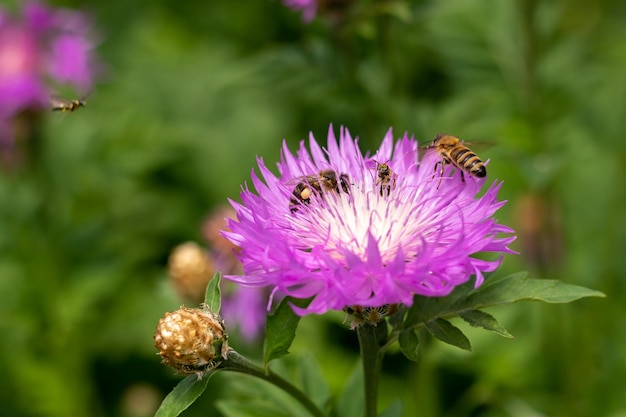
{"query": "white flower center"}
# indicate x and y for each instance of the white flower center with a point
(401, 220)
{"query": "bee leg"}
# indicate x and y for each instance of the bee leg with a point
(441, 165)
(435, 169)
(462, 175)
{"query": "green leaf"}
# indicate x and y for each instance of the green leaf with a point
(182, 396)
(237, 408)
(254, 397)
(280, 329)
(448, 333)
(409, 343)
(429, 308)
(313, 382)
(212, 295)
(477, 318)
(393, 410)
(518, 287)
(352, 399)
(497, 291)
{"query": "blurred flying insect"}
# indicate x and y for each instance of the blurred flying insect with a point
(60, 104)
(452, 151)
(325, 181)
(386, 178)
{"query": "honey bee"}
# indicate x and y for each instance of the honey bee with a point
(452, 151)
(59, 104)
(386, 179)
(369, 315)
(324, 181)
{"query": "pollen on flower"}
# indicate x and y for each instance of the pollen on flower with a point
(191, 340)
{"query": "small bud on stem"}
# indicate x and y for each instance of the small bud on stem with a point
(191, 340)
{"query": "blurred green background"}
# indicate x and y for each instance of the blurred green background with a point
(194, 91)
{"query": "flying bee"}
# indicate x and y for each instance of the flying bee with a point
(452, 151)
(324, 181)
(386, 178)
(60, 104)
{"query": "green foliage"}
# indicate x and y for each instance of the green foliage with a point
(409, 343)
(239, 409)
(448, 333)
(394, 409)
(477, 318)
(518, 287)
(312, 380)
(281, 328)
(255, 398)
(465, 302)
(213, 295)
(258, 397)
(350, 401)
(182, 396)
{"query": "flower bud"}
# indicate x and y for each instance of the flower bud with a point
(191, 340)
(369, 315)
(212, 229)
(190, 270)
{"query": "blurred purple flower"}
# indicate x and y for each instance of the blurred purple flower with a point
(365, 247)
(19, 83)
(245, 308)
(39, 50)
(70, 60)
(308, 8)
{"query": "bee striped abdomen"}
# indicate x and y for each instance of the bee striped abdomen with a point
(478, 169)
(469, 161)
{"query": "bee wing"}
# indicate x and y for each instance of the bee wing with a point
(305, 178)
(473, 144)
(481, 144)
(58, 102)
(84, 96)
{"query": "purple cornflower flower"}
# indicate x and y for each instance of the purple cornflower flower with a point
(308, 8)
(42, 47)
(372, 245)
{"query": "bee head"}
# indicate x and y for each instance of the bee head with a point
(445, 141)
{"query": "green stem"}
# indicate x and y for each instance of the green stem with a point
(238, 363)
(371, 356)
